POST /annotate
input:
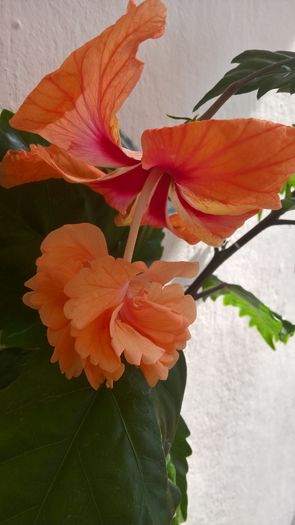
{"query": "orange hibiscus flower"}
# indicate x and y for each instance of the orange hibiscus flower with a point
(98, 309)
(216, 173)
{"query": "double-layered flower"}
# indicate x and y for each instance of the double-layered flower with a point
(216, 173)
(98, 309)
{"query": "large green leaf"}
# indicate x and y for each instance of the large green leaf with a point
(281, 77)
(12, 361)
(271, 326)
(11, 138)
(178, 456)
(168, 400)
(70, 455)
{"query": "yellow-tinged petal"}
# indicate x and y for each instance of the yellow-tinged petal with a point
(194, 226)
(75, 106)
(224, 167)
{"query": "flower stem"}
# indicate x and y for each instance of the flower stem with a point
(140, 209)
(221, 255)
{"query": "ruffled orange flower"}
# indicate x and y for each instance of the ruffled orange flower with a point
(216, 173)
(98, 309)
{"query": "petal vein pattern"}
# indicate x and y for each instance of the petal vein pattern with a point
(75, 106)
(222, 172)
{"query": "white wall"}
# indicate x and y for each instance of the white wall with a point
(241, 396)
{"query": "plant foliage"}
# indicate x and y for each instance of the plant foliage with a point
(180, 451)
(271, 326)
(280, 76)
(70, 455)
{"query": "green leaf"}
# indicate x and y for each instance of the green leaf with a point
(11, 138)
(288, 203)
(27, 214)
(72, 455)
(186, 119)
(149, 245)
(281, 77)
(12, 361)
(168, 396)
(271, 326)
(178, 459)
(168, 400)
(287, 188)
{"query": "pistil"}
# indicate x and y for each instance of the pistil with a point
(140, 209)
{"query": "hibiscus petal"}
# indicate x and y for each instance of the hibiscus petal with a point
(70, 363)
(225, 167)
(159, 314)
(71, 246)
(20, 167)
(121, 187)
(137, 349)
(75, 106)
(94, 342)
(98, 288)
(156, 212)
(172, 296)
(163, 272)
(194, 226)
(96, 375)
(48, 297)
(159, 371)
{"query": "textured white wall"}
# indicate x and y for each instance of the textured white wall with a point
(241, 396)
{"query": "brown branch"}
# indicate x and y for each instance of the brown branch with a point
(210, 291)
(221, 255)
(283, 221)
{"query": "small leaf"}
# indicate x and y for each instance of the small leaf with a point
(271, 326)
(186, 119)
(281, 77)
(288, 203)
(286, 190)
